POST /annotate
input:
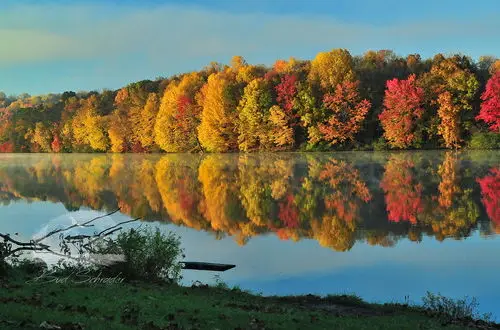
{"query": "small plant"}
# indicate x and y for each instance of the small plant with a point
(148, 254)
(219, 283)
(236, 288)
(465, 308)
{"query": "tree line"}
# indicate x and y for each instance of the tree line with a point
(334, 102)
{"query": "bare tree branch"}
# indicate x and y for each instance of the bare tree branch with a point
(118, 224)
(82, 243)
(85, 224)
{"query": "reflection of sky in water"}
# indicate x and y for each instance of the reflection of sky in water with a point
(271, 266)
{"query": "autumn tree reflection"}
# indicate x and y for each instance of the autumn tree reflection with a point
(335, 199)
(403, 194)
(490, 195)
(222, 206)
(181, 194)
(456, 212)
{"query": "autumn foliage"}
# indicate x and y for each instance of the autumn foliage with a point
(449, 128)
(402, 110)
(332, 198)
(285, 93)
(490, 108)
(7, 147)
(490, 194)
(346, 112)
(403, 195)
(335, 101)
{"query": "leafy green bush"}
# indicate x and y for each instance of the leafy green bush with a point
(149, 255)
(380, 144)
(30, 266)
(465, 308)
(316, 147)
(488, 140)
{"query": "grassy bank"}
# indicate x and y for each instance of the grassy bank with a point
(72, 305)
(142, 292)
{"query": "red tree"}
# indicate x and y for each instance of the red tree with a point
(286, 91)
(7, 147)
(346, 113)
(56, 144)
(402, 109)
(490, 108)
(183, 115)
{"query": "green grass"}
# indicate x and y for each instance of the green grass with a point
(156, 306)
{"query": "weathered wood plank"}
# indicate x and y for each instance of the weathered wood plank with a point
(206, 266)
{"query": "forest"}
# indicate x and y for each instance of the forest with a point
(335, 101)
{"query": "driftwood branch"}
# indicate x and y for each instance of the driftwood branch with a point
(83, 243)
(85, 224)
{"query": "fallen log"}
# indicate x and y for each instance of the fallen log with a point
(206, 266)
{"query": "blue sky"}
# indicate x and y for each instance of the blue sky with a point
(53, 46)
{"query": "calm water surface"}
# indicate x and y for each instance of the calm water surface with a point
(382, 225)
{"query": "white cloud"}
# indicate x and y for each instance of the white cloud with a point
(174, 33)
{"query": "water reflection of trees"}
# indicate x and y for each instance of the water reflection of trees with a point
(490, 195)
(334, 199)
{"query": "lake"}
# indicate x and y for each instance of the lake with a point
(388, 226)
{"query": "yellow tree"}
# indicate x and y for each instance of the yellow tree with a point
(40, 137)
(328, 69)
(253, 111)
(88, 127)
(281, 132)
(218, 131)
(129, 103)
(118, 132)
(144, 123)
(178, 117)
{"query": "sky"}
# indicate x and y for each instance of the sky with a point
(57, 45)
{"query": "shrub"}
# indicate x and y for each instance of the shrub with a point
(149, 255)
(488, 140)
(465, 308)
(30, 266)
(380, 144)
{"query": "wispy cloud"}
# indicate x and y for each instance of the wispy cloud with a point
(170, 33)
(87, 46)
